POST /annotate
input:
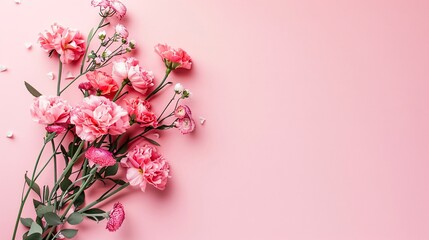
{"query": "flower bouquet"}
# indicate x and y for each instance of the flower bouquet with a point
(94, 138)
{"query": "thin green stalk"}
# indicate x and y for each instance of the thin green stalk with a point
(103, 198)
(167, 72)
(163, 111)
(55, 169)
(124, 83)
(60, 72)
(100, 25)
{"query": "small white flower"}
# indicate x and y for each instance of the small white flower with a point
(178, 88)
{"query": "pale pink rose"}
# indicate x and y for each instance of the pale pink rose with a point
(97, 116)
(50, 110)
(122, 31)
(129, 69)
(139, 110)
(146, 165)
(47, 38)
(174, 58)
(100, 156)
(70, 45)
(116, 217)
(182, 111)
(185, 125)
(58, 129)
(102, 83)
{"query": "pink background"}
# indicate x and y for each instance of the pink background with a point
(317, 117)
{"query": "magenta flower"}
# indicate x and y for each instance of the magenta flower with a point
(173, 58)
(100, 156)
(139, 110)
(184, 123)
(116, 217)
(50, 110)
(146, 165)
(58, 129)
(182, 111)
(102, 82)
(85, 86)
(97, 116)
(129, 69)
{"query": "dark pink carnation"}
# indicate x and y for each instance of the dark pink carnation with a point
(100, 157)
(116, 217)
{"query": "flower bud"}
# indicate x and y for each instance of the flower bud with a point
(122, 31)
(102, 35)
(186, 93)
(178, 88)
(58, 129)
(132, 44)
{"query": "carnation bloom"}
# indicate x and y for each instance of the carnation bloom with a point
(173, 58)
(110, 7)
(139, 110)
(100, 157)
(146, 165)
(97, 116)
(46, 39)
(128, 69)
(122, 31)
(50, 110)
(184, 123)
(58, 129)
(102, 83)
(182, 111)
(85, 86)
(116, 217)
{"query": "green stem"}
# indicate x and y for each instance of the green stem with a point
(55, 169)
(103, 198)
(124, 83)
(167, 72)
(21, 207)
(74, 80)
(60, 72)
(171, 100)
(100, 25)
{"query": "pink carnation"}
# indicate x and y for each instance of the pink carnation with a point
(100, 157)
(111, 7)
(47, 38)
(128, 69)
(122, 31)
(102, 83)
(58, 129)
(173, 58)
(98, 116)
(182, 111)
(146, 165)
(184, 123)
(139, 110)
(50, 110)
(116, 217)
(85, 86)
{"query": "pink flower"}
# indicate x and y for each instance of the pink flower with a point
(47, 38)
(127, 69)
(50, 110)
(85, 86)
(70, 45)
(146, 165)
(116, 217)
(110, 7)
(102, 83)
(98, 116)
(58, 129)
(139, 110)
(173, 58)
(122, 31)
(185, 125)
(100, 157)
(182, 111)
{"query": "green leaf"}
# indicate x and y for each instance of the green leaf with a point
(34, 236)
(94, 211)
(95, 214)
(35, 228)
(35, 187)
(27, 222)
(49, 137)
(112, 170)
(46, 192)
(42, 210)
(75, 218)
(65, 184)
(151, 141)
(36, 203)
(52, 219)
(119, 181)
(69, 233)
(164, 127)
(32, 90)
(79, 200)
(65, 154)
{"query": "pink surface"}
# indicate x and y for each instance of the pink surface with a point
(317, 117)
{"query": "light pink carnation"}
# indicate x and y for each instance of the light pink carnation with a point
(100, 157)
(129, 69)
(182, 111)
(146, 165)
(173, 58)
(98, 116)
(50, 110)
(47, 38)
(102, 83)
(108, 6)
(139, 110)
(70, 45)
(116, 217)
(122, 31)
(184, 123)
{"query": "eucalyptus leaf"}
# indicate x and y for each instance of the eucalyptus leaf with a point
(151, 141)
(32, 90)
(52, 219)
(36, 203)
(33, 186)
(65, 154)
(69, 233)
(95, 214)
(112, 170)
(42, 210)
(27, 222)
(79, 200)
(75, 218)
(65, 184)
(35, 228)
(34, 236)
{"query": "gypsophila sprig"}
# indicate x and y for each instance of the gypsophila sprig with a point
(94, 136)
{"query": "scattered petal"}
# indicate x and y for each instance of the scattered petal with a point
(3, 68)
(18, 1)
(28, 45)
(50, 75)
(9, 134)
(69, 76)
(202, 120)
(156, 135)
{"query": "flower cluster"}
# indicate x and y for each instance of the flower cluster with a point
(99, 127)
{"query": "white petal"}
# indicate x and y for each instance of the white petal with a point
(18, 1)
(3, 68)
(28, 45)
(69, 76)
(202, 120)
(9, 134)
(50, 75)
